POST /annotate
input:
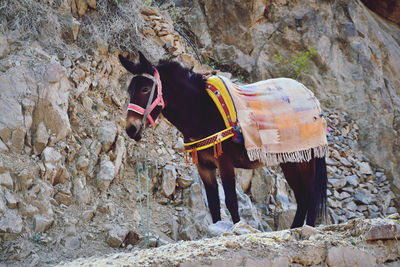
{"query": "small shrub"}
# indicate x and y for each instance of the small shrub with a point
(296, 65)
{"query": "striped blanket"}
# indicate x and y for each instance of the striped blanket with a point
(280, 119)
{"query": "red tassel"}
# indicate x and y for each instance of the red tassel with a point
(219, 145)
(194, 156)
(215, 150)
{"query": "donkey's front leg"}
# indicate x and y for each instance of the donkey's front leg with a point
(210, 184)
(227, 172)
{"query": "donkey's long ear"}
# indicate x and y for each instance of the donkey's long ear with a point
(145, 64)
(129, 66)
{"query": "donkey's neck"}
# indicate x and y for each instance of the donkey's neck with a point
(188, 106)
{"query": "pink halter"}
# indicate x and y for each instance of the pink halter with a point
(159, 101)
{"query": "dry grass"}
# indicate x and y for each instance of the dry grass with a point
(113, 22)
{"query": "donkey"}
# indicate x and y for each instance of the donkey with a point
(179, 94)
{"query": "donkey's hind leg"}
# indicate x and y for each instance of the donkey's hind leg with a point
(308, 175)
(293, 177)
(208, 176)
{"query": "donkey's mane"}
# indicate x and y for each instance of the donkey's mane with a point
(178, 72)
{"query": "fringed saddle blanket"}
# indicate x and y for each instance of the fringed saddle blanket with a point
(280, 119)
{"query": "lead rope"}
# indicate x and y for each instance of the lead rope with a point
(146, 231)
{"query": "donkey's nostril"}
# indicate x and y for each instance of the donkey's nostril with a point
(131, 131)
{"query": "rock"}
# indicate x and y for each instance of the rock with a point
(40, 138)
(362, 197)
(241, 228)
(219, 228)
(262, 185)
(194, 197)
(105, 174)
(351, 206)
(41, 223)
(87, 103)
(25, 179)
(345, 162)
(391, 210)
(347, 256)
(11, 222)
(3, 46)
(6, 180)
(116, 236)
(106, 133)
(387, 9)
(80, 190)
(11, 200)
(63, 198)
(82, 163)
(120, 151)
(168, 181)
(285, 218)
(185, 182)
(87, 215)
(3, 147)
(307, 231)
(132, 238)
(244, 178)
(70, 27)
(311, 256)
(365, 168)
(2, 204)
(179, 144)
(72, 242)
(337, 183)
(382, 230)
(50, 155)
(28, 210)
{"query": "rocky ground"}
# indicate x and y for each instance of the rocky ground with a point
(69, 173)
(358, 242)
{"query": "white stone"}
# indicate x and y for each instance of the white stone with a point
(106, 133)
(41, 223)
(6, 180)
(51, 155)
(365, 168)
(168, 180)
(40, 138)
(11, 222)
(105, 174)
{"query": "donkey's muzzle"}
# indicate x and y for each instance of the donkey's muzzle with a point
(133, 133)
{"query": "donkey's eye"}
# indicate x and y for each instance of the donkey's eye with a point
(145, 90)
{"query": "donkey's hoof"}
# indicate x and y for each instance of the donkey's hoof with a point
(219, 228)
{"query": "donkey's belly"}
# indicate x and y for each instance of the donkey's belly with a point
(241, 159)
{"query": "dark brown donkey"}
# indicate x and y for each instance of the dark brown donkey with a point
(185, 103)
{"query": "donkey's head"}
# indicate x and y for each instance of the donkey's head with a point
(146, 102)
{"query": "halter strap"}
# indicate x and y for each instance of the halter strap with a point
(159, 101)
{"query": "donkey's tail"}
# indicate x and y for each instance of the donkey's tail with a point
(321, 180)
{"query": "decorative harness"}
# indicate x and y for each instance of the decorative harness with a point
(219, 93)
(159, 101)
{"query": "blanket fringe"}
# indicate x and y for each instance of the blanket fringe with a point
(271, 159)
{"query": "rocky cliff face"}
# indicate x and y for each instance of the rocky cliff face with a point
(356, 68)
(68, 171)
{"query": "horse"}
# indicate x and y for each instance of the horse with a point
(179, 94)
